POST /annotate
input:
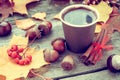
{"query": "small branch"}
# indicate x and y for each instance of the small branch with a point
(40, 76)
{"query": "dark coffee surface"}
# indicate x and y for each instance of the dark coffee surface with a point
(79, 16)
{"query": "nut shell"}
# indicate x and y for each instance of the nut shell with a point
(45, 27)
(67, 63)
(112, 64)
(58, 44)
(5, 28)
(50, 55)
(33, 33)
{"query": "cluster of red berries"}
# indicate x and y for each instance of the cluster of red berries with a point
(16, 53)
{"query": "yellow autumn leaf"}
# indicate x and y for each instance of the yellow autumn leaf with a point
(11, 70)
(57, 16)
(104, 11)
(25, 23)
(20, 5)
(19, 40)
(40, 15)
(98, 28)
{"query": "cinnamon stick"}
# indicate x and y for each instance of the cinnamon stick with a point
(96, 47)
(105, 39)
(86, 55)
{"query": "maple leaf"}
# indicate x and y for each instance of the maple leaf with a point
(40, 15)
(20, 6)
(98, 28)
(104, 11)
(11, 70)
(25, 24)
(5, 8)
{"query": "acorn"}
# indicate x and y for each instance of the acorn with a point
(50, 55)
(67, 63)
(113, 63)
(58, 44)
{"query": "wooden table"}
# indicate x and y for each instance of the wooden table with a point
(81, 71)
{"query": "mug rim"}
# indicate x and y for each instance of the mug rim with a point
(65, 10)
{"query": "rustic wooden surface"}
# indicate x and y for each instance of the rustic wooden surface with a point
(80, 72)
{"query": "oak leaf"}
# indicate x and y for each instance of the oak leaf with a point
(104, 11)
(25, 24)
(10, 70)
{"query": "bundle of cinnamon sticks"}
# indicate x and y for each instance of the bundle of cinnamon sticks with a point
(94, 52)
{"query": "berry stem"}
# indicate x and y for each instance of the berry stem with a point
(27, 47)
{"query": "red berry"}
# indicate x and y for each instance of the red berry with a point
(20, 50)
(14, 48)
(14, 54)
(27, 60)
(18, 56)
(9, 52)
(16, 60)
(21, 62)
(29, 57)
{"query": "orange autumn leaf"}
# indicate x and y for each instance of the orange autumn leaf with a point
(40, 15)
(10, 70)
(25, 23)
(104, 11)
(20, 5)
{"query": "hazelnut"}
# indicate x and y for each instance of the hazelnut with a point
(50, 55)
(58, 44)
(45, 27)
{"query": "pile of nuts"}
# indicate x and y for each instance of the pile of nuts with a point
(53, 55)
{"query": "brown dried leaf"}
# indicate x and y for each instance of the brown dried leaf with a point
(40, 15)
(25, 24)
(114, 12)
(113, 24)
(5, 8)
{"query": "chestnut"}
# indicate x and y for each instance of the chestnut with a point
(113, 63)
(45, 27)
(58, 44)
(50, 55)
(5, 28)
